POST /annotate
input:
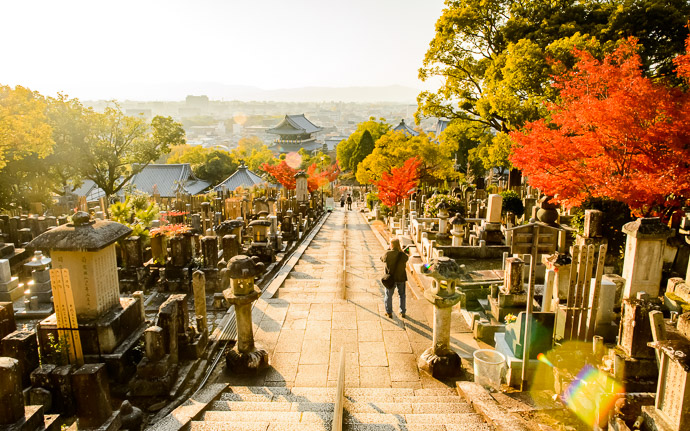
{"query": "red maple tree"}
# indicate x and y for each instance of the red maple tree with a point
(399, 183)
(283, 173)
(614, 133)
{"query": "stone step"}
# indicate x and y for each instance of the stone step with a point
(399, 408)
(267, 406)
(418, 427)
(271, 416)
(413, 418)
(257, 426)
(356, 392)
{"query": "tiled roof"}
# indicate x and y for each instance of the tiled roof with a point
(293, 125)
(89, 189)
(405, 128)
(168, 179)
(242, 177)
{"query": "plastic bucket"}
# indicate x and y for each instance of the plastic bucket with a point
(488, 367)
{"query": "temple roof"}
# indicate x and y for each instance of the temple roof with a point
(242, 177)
(285, 147)
(294, 125)
(406, 129)
(168, 180)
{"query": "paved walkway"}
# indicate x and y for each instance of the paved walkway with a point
(306, 322)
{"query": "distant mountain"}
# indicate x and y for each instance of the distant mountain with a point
(216, 91)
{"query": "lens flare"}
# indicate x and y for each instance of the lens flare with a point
(589, 386)
(544, 360)
(293, 160)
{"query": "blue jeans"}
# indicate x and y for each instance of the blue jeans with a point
(388, 297)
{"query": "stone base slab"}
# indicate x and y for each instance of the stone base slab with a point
(246, 363)
(440, 366)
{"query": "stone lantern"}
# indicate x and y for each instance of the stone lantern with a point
(458, 224)
(245, 357)
(39, 285)
(440, 360)
(442, 208)
(644, 256)
(260, 230)
(86, 248)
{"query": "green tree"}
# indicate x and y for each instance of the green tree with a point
(118, 147)
(395, 147)
(207, 164)
(70, 122)
(496, 57)
(254, 153)
(218, 166)
(364, 147)
(24, 128)
(346, 148)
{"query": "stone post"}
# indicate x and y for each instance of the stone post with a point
(199, 286)
(11, 396)
(209, 246)
(231, 247)
(154, 343)
(440, 360)
(23, 346)
(493, 212)
(245, 357)
(644, 256)
(92, 395)
(513, 282)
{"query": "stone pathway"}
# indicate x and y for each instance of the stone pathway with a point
(306, 322)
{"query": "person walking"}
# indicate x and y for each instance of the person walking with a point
(396, 262)
(342, 201)
(349, 202)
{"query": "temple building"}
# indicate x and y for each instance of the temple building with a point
(294, 132)
(407, 130)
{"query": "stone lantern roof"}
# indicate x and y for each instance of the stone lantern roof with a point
(457, 220)
(242, 266)
(647, 228)
(259, 223)
(83, 234)
(443, 268)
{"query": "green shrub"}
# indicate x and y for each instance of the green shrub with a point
(372, 200)
(456, 205)
(512, 203)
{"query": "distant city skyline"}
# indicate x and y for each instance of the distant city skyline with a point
(157, 50)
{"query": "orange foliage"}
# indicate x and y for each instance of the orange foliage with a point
(396, 185)
(615, 133)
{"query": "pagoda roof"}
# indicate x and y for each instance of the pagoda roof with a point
(242, 177)
(406, 129)
(285, 147)
(294, 125)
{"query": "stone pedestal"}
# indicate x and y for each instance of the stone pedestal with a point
(92, 396)
(11, 397)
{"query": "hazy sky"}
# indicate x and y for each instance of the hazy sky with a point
(93, 48)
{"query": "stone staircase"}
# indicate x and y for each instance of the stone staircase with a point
(280, 408)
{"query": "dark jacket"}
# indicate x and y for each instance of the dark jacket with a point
(397, 270)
